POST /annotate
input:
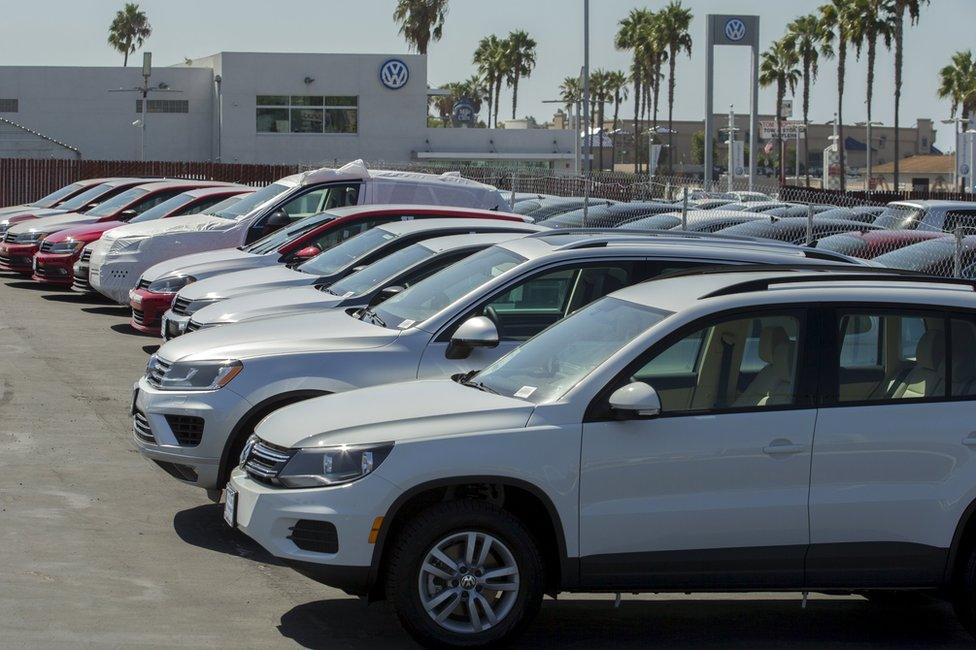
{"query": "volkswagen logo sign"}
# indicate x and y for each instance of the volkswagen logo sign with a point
(394, 74)
(735, 30)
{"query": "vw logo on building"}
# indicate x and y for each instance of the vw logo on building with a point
(735, 30)
(394, 74)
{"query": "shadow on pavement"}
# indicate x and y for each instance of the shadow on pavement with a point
(204, 527)
(108, 310)
(682, 623)
(77, 298)
(126, 328)
(150, 349)
(29, 284)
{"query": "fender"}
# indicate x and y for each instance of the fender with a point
(954, 548)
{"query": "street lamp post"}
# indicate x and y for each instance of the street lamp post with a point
(957, 176)
(867, 182)
(731, 130)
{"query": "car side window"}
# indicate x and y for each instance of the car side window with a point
(154, 200)
(200, 206)
(963, 360)
(965, 219)
(890, 356)
(736, 363)
(322, 199)
(335, 236)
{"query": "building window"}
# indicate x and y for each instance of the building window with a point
(165, 106)
(307, 114)
(9, 106)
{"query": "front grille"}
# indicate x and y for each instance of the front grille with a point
(264, 461)
(46, 246)
(80, 282)
(51, 272)
(138, 316)
(86, 255)
(188, 429)
(143, 284)
(9, 237)
(191, 326)
(315, 536)
(181, 306)
(140, 425)
(157, 370)
(4, 259)
(177, 471)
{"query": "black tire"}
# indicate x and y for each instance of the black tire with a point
(964, 598)
(423, 532)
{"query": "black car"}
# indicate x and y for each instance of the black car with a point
(793, 230)
(607, 216)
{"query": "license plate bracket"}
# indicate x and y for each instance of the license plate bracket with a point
(135, 398)
(230, 507)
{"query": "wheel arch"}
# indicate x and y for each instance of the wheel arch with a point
(962, 540)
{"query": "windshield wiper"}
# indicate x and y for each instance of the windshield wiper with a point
(324, 288)
(369, 314)
(480, 385)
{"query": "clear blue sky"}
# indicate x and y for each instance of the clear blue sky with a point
(71, 32)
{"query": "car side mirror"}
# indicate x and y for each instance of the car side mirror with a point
(477, 332)
(385, 294)
(125, 215)
(277, 219)
(307, 253)
(636, 400)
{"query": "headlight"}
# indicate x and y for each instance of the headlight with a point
(171, 283)
(126, 245)
(69, 246)
(192, 375)
(30, 237)
(327, 466)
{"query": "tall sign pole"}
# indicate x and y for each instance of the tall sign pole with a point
(740, 31)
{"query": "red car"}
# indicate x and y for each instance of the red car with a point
(57, 202)
(23, 240)
(291, 245)
(872, 243)
(58, 253)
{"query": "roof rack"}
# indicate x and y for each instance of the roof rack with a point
(830, 274)
(618, 234)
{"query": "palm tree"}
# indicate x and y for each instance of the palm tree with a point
(779, 66)
(129, 30)
(957, 83)
(475, 90)
(598, 95)
(868, 23)
(673, 22)
(809, 40)
(835, 16)
(897, 16)
(633, 37)
(521, 56)
(421, 21)
(616, 87)
(490, 57)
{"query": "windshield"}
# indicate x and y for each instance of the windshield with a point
(248, 203)
(547, 366)
(223, 205)
(382, 271)
(426, 298)
(656, 222)
(347, 253)
(53, 198)
(845, 244)
(86, 197)
(922, 256)
(164, 208)
(117, 202)
(900, 217)
(271, 242)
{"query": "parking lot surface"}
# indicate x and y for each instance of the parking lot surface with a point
(99, 548)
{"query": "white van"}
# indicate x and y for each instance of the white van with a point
(120, 257)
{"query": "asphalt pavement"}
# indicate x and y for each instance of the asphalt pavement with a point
(98, 548)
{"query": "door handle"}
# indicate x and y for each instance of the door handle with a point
(780, 447)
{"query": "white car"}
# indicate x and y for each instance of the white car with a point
(204, 392)
(325, 268)
(120, 257)
(730, 431)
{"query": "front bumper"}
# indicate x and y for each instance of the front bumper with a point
(147, 309)
(18, 258)
(55, 268)
(198, 464)
(173, 325)
(79, 281)
(114, 278)
(267, 515)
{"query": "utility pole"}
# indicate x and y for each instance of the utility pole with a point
(144, 91)
(586, 108)
(731, 129)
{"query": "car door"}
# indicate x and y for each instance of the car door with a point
(529, 305)
(712, 493)
(895, 450)
(308, 202)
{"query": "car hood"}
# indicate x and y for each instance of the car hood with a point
(295, 300)
(392, 413)
(52, 223)
(19, 213)
(208, 263)
(187, 223)
(89, 232)
(239, 283)
(331, 331)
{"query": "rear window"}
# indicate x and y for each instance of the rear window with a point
(118, 202)
(56, 197)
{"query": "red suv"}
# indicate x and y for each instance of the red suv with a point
(22, 241)
(292, 245)
(54, 261)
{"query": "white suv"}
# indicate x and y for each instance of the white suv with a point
(730, 431)
(203, 393)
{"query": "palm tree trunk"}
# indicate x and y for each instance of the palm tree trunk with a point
(872, 52)
(780, 94)
(491, 99)
(125, 55)
(806, 120)
(657, 94)
(637, 134)
(841, 71)
(498, 94)
(515, 84)
(600, 130)
(899, 35)
(671, 65)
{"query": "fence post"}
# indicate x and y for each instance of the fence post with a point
(809, 224)
(684, 210)
(957, 257)
(511, 203)
(586, 199)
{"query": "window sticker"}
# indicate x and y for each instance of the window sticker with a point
(525, 391)
(405, 324)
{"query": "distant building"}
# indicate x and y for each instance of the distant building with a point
(252, 108)
(922, 173)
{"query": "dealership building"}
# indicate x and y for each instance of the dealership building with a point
(252, 108)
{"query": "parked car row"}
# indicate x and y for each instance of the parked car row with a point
(405, 391)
